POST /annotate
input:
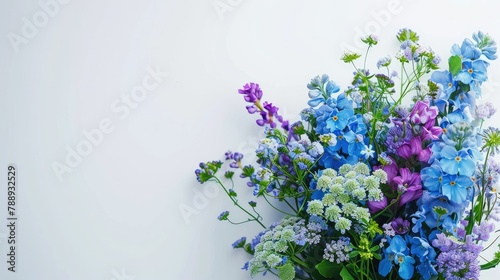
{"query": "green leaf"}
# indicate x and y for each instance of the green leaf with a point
(286, 272)
(353, 254)
(344, 273)
(374, 248)
(328, 269)
(455, 64)
(492, 263)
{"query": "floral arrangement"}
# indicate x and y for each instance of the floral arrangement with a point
(370, 188)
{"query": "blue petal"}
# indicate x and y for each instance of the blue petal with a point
(315, 102)
(449, 166)
(398, 244)
(406, 268)
(448, 152)
(384, 267)
(464, 77)
(467, 167)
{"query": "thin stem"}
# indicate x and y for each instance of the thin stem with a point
(237, 204)
(277, 209)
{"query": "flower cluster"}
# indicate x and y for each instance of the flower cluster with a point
(371, 188)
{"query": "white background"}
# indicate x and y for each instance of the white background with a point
(117, 215)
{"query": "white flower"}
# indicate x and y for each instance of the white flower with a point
(368, 152)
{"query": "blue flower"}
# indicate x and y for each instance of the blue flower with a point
(445, 79)
(427, 270)
(486, 44)
(468, 51)
(473, 71)
(339, 119)
(427, 203)
(397, 253)
(431, 178)
(356, 143)
(417, 219)
(422, 249)
(239, 243)
(455, 187)
(454, 162)
(321, 90)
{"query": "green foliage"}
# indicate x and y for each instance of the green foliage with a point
(286, 272)
(328, 269)
(345, 274)
(455, 64)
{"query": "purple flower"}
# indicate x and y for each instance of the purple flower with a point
(376, 206)
(457, 261)
(400, 226)
(252, 92)
(414, 148)
(422, 113)
(237, 159)
(397, 136)
(408, 184)
(483, 231)
(269, 113)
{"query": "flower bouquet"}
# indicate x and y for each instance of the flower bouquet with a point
(370, 188)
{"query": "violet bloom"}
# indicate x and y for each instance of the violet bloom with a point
(400, 226)
(391, 168)
(414, 148)
(422, 113)
(397, 136)
(269, 113)
(424, 116)
(409, 185)
(483, 231)
(252, 92)
(376, 206)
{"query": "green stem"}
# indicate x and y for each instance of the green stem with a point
(300, 262)
(275, 208)
(237, 204)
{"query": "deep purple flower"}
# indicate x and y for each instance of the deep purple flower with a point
(376, 206)
(414, 148)
(391, 168)
(237, 160)
(397, 136)
(408, 184)
(268, 113)
(252, 92)
(400, 226)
